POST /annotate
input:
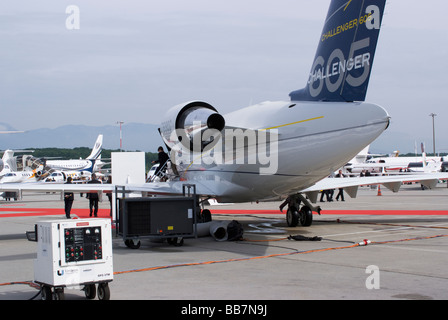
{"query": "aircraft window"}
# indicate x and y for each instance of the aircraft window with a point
(291, 106)
(415, 165)
(56, 174)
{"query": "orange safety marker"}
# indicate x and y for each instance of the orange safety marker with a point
(379, 191)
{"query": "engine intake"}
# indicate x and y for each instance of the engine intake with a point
(197, 125)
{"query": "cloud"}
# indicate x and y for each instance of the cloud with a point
(132, 59)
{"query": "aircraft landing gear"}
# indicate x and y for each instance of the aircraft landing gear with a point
(294, 216)
(304, 215)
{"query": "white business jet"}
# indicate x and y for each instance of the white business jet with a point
(395, 163)
(78, 164)
(285, 149)
(8, 162)
(25, 176)
(10, 174)
(2, 163)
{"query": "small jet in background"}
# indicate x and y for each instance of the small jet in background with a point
(78, 164)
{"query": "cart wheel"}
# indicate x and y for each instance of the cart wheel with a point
(132, 244)
(46, 293)
(90, 291)
(103, 291)
(58, 294)
(179, 242)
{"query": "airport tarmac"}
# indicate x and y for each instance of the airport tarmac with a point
(407, 258)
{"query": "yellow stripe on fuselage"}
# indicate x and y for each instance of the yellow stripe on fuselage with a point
(276, 127)
(288, 124)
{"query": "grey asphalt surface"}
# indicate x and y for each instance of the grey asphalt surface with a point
(406, 260)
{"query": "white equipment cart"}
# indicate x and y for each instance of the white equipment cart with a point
(74, 254)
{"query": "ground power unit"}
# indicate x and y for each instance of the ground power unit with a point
(74, 254)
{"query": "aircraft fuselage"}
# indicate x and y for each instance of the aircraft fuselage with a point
(307, 142)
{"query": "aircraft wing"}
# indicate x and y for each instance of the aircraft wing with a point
(53, 187)
(154, 188)
(393, 183)
(213, 189)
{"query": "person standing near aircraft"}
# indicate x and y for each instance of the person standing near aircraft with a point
(162, 159)
(68, 200)
(341, 190)
(93, 198)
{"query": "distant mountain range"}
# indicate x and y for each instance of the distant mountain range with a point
(136, 136)
(145, 137)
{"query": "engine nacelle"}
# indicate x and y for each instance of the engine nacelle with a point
(194, 124)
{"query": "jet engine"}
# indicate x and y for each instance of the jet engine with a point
(196, 125)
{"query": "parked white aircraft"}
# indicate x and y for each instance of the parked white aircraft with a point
(10, 173)
(8, 162)
(78, 164)
(25, 176)
(287, 146)
(275, 150)
(61, 176)
(398, 164)
(2, 164)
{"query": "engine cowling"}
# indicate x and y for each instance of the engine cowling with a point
(195, 125)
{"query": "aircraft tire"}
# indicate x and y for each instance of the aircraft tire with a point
(306, 216)
(292, 217)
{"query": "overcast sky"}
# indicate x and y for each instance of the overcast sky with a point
(132, 60)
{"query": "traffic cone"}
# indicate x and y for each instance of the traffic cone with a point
(379, 191)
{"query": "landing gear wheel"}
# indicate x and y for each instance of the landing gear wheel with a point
(292, 217)
(306, 216)
(103, 291)
(90, 291)
(130, 243)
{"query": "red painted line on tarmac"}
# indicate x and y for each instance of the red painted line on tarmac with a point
(388, 212)
(34, 212)
(213, 211)
(342, 212)
(105, 213)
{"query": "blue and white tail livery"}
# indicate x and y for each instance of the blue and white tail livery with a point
(344, 57)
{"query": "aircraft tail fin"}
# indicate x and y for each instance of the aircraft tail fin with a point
(97, 148)
(344, 57)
